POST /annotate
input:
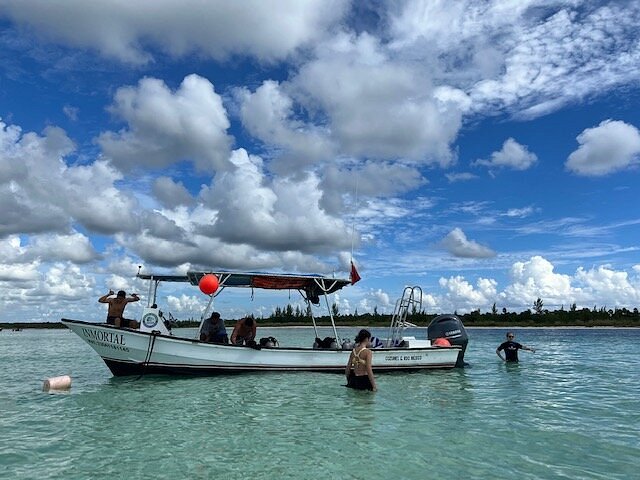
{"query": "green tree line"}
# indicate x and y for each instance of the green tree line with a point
(536, 316)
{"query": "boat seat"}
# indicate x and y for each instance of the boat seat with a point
(326, 343)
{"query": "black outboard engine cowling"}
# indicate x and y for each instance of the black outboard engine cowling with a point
(450, 327)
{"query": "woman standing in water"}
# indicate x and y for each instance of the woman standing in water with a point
(359, 371)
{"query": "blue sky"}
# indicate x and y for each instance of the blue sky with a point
(487, 151)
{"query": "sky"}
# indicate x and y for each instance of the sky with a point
(487, 151)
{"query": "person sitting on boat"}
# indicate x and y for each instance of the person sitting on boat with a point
(511, 348)
(115, 314)
(359, 371)
(213, 330)
(244, 332)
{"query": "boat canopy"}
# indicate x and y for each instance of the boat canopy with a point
(312, 285)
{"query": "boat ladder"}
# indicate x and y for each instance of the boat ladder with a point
(411, 301)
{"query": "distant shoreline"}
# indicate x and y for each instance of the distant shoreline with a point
(10, 326)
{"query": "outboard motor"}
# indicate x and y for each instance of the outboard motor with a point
(450, 327)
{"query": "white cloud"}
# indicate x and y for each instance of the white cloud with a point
(66, 281)
(461, 296)
(376, 107)
(611, 146)
(460, 177)
(381, 298)
(529, 57)
(216, 28)
(457, 244)
(40, 193)
(75, 247)
(272, 215)
(511, 155)
(609, 284)
(71, 112)
(166, 127)
(518, 212)
(122, 265)
(170, 193)
(375, 299)
(536, 278)
(16, 266)
(554, 59)
(268, 115)
(372, 179)
(184, 306)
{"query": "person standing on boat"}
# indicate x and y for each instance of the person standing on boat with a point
(115, 314)
(213, 330)
(359, 369)
(244, 332)
(511, 348)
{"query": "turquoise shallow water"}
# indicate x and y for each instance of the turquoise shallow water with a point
(571, 410)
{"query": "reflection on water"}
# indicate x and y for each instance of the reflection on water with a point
(571, 410)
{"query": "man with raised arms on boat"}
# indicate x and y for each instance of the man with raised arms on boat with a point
(115, 314)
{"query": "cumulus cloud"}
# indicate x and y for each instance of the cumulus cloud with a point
(243, 220)
(217, 29)
(185, 305)
(16, 265)
(511, 155)
(610, 284)
(379, 108)
(536, 278)
(371, 179)
(457, 243)
(611, 146)
(159, 226)
(276, 215)
(376, 299)
(170, 193)
(42, 194)
(75, 247)
(66, 281)
(464, 297)
(268, 114)
(166, 127)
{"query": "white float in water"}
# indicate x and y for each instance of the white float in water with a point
(57, 383)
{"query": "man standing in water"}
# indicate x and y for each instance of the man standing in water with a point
(116, 308)
(511, 348)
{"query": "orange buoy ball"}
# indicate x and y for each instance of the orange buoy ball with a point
(209, 284)
(441, 342)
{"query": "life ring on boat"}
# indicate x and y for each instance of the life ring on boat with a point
(150, 320)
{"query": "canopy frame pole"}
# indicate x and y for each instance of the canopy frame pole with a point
(313, 320)
(326, 299)
(211, 297)
(151, 291)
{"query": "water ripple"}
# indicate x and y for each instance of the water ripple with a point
(571, 410)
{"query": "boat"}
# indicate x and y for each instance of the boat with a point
(152, 347)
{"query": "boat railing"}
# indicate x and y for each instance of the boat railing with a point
(411, 300)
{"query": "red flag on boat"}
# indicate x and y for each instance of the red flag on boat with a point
(354, 274)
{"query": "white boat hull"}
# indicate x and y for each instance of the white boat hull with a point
(131, 352)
